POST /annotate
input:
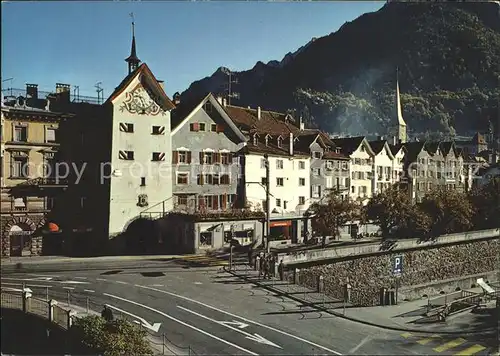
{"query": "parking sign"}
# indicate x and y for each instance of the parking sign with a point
(397, 266)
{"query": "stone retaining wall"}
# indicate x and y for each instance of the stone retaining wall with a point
(367, 275)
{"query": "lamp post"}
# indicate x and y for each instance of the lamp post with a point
(268, 206)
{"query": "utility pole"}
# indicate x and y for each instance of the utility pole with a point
(268, 205)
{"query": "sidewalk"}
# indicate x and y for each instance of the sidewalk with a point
(396, 317)
(8, 261)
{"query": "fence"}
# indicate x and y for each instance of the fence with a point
(63, 314)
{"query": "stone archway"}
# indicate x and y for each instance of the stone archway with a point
(18, 233)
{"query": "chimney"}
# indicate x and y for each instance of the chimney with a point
(258, 112)
(219, 100)
(32, 91)
(301, 124)
(162, 84)
(291, 144)
(394, 140)
(224, 102)
(63, 91)
(380, 138)
(177, 98)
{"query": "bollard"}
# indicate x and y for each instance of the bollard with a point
(52, 304)
(26, 300)
(321, 285)
(71, 314)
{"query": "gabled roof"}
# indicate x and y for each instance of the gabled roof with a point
(147, 79)
(396, 148)
(432, 147)
(379, 145)
(350, 144)
(210, 98)
(413, 149)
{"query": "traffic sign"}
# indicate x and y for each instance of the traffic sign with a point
(397, 265)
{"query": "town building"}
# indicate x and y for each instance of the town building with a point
(383, 166)
(205, 146)
(361, 167)
(474, 146)
(31, 185)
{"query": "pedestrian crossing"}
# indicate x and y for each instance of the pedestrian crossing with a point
(448, 345)
(202, 261)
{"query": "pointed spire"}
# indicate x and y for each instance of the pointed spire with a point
(401, 124)
(132, 60)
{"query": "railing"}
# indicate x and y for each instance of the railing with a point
(63, 314)
(16, 92)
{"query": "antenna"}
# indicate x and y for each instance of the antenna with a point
(231, 80)
(99, 91)
(9, 80)
(133, 23)
(76, 93)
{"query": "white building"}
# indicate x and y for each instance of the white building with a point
(361, 167)
(386, 167)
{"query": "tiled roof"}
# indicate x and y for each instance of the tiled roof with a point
(413, 149)
(183, 109)
(431, 147)
(335, 155)
(395, 148)
(446, 147)
(348, 144)
(377, 146)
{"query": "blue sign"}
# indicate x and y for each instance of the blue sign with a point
(397, 265)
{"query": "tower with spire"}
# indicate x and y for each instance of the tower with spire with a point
(400, 129)
(132, 60)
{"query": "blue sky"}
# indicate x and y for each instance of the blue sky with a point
(82, 43)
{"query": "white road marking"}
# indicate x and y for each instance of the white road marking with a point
(184, 323)
(364, 341)
(27, 284)
(239, 324)
(154, 327)
(71, 288)
(101, 279)
(89, 290)
(198, 283)
(37, 279)
(74, 282)
(156, 285)
(80, 277)
(254, 337)
(121, 282)
(242, 318)
(42, 275)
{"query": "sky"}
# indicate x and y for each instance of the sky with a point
(85, 42)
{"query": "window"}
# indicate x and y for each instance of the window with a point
(279, 164)
(362, 148)
(302, 200)
(207, 107)
(50, 202)
(50, 167)
(317, 171)
(353, 189)
(206, 157)
(126, 127)
(159, 130)
(21, 134)
(278, 203)
(182, 157)
(208, 178)
(182, 199)
(194, 127)
(126, 155)
(302, 165)
(284, 204)
(224, 179)
(182, 178)
(199, 179)
(262, 163)
(20, 203)
(50, 135)
(302, 182)
(280, 141)
(213, 127)
(224, 158)
(201, 126)
(19, 167)
(279, 182)
(255, 140)
(316, 155)
(143, 181)
(316, 191)
(263, 180)
(158, 156)
(206, 238)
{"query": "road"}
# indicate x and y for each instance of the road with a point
(215, 313)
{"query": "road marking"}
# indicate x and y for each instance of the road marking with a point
(364, 341)
(80, 277)
(254, 337)
(450, 344)
(155, 326)
(239, 324)
(242, 318)
(471, 350)
(74, 282)
(37, 279)
(198, 283)
(27, 285)
(120, 282)
(156, 285)
(42, 275)
(428, 339)
(71, 288)
(89, 290)
(101, 279)
(406, 335)
(184, 323)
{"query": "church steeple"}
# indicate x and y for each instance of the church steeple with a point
(401, 124)
(132, 60)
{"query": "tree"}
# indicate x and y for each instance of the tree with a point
(486, 202)
(114, 338)
(331, 213)
(396, 215)
(450, 211)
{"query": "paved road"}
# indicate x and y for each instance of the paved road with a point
(215, 313)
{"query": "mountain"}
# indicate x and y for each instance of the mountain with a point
(448, 55)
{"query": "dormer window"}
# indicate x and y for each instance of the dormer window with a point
(255, 139)
(267, 139)
(280, 141)
(337, 149)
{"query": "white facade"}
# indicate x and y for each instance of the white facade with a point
(397, 165)
(383, 163)
(361, 172)
(141, 157)
(289, 183)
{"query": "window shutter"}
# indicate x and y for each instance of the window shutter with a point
(175, 157)
(223, 201)
(201, 157)
(230, 158)
(217, 157)
(201, 179)
(196, 126)
(201, 201)
(215, 202)
(189, 157)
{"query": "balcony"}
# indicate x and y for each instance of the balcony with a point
(41, 183)
(226, 214)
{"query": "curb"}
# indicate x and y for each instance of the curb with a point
(387, 327)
